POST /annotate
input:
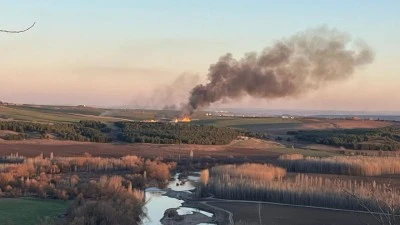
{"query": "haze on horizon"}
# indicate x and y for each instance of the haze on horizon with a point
(130, 52)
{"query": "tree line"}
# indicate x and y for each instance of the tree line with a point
(174, 133)
(385, 139)
(92, 131)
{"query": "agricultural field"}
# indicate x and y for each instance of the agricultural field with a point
(250, 149)
(47, 115)
(29, 211)
(247, 213)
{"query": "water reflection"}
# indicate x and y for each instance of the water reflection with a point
(157, 204)
(188, 211)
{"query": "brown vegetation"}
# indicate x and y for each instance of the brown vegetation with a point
(33, 148)
(251, 171)
(303, 190)
(107, 199)
(346, 165)
(107, 202)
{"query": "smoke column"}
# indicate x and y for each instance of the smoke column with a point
(306, 61)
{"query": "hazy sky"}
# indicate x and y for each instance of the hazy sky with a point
(116, 52)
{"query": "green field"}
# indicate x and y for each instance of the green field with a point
(239, 122)
(38, 115)
(280, 149)
(61, 109)
(27, 211)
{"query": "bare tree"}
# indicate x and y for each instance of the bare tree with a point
(386, 210)
(17, 31)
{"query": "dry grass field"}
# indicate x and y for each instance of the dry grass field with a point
(252, 149)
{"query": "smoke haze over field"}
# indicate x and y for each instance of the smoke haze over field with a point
(169, 96)
(291, 67)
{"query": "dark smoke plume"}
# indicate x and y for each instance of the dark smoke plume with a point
(293, 66)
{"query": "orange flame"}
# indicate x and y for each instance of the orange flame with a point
(185, 119)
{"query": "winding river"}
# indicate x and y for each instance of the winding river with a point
(157, 203)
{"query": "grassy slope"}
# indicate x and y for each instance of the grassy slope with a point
(260, 125)
(24, 211)
(147, 114)
(75, 114)
(61, 109)
(237, 121)
(280, 149)
(46, 115)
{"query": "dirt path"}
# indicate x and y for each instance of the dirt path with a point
(230, 214)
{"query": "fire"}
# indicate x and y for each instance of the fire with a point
(185, 119)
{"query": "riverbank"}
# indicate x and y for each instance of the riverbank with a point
(191, 209)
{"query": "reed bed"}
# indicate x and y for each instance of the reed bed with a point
(303, 190)
(265, 172)
(345, 165)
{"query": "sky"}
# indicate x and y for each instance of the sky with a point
(113, 53)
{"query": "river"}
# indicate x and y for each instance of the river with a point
(158, 203)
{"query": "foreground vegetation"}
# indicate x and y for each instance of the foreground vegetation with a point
(385, 139)
(223, 182)
(102, 190)
(25, 211)
(345, 165)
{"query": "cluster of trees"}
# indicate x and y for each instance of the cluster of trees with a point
(303, 190)
(173, 133)
(344, 165)
(15, 137)
(83, 131)
(107, 199)
(107, 202)
(386, 139)
(47, 177)
(95, 125)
